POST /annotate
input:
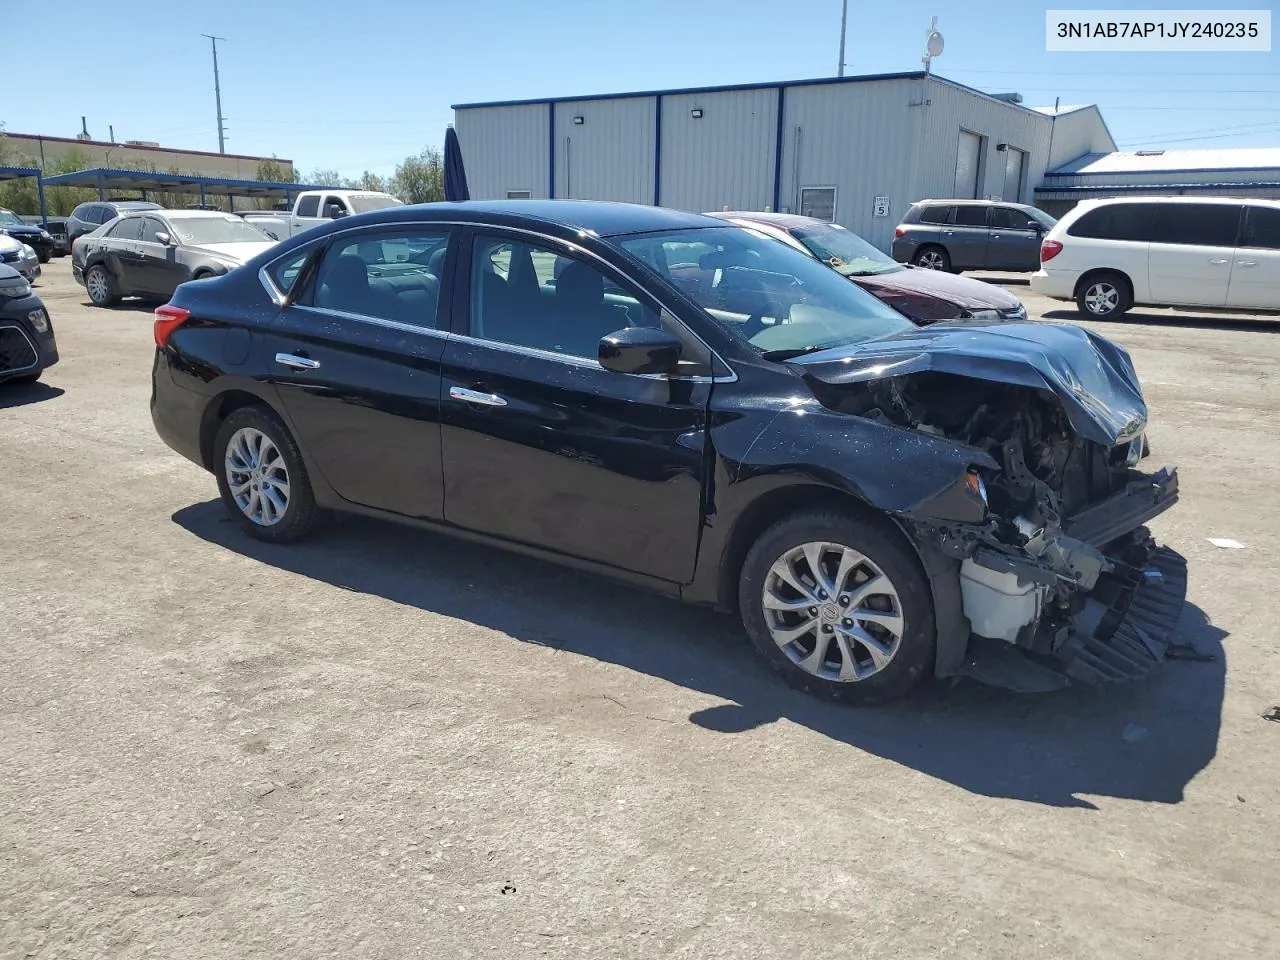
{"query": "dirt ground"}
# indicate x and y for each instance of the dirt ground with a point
(387, 744)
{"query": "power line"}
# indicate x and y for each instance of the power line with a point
(1215, 136)
(1186, 133)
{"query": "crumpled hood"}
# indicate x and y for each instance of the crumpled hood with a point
(963, 291)
(1092, 377)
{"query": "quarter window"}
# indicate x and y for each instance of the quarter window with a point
(309, 206)
(1262, 228)
(284, 272)
(388, 276)
(935, 214)
(1200, 224)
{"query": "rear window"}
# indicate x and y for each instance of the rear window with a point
(1198, 224)
(1116, 221)
(934, 214)
(971, 216)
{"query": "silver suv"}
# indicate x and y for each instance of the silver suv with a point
(957, 235)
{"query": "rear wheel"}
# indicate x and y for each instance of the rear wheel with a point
(261, 477)
(839, 607)
(932, 258)
(1104, 296)
(101, 286)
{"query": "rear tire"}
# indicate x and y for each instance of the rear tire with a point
(1104, 296)
(101, 286)
(262, 479)
(932, 257)
(869, 609)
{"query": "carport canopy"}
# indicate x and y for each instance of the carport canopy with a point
(18, 173)
(105, 179)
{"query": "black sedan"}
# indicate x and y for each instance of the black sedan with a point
(879, 502)
(148, 254)
(37, 238)
(27, 344)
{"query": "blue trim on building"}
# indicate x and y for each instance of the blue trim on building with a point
(1159, 189)
(777, 153)
(657, 151)
(910, 75)
(551, 149)
(1060, 172)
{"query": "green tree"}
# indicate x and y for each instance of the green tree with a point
(327, 178)
(372, 182)
(420, 179)
(271, 170)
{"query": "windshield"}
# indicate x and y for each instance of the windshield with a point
(365, 204)
(778, 300)
(844, 250)
(202, 231)
(8, 216)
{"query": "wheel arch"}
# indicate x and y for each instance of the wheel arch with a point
(217, 410)
(1094, 273)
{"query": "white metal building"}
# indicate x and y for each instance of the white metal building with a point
(858, 150)
(1232, 172)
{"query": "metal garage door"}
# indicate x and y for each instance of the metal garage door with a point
(967, 162)
(1013, 163)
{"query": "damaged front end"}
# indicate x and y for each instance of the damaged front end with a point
(1059, 578)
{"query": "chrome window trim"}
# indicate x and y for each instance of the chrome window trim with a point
(376, 321)
(281, 300)
(30, 343)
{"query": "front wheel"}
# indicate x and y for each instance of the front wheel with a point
(839, 607)
(44, 256)
(261, 478)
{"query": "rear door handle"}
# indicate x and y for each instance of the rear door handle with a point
(477, 397)
(298, 363)
(1217, 262)
(1246, 263)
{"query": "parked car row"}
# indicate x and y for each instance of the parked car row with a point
(698, 407)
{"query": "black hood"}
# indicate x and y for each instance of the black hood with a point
(1092, 377)
(25, 230)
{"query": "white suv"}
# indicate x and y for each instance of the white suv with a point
(1207, 252)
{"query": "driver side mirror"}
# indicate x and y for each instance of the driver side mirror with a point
(640, 350)
(162, 237)
(1035, 225)
(335, 212)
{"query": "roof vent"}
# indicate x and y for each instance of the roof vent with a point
(1007, 97)
(142, 143)
(1150, 153)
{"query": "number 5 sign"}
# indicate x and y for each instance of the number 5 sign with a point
(880, 208)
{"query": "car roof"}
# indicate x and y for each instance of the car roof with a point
(603, 218)
(960, 201)
(1154, 198)
(786, 221)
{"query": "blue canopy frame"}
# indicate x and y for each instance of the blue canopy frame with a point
(17, 173)
(104, 178)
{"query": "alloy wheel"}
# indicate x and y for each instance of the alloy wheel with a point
(98, 286)
(257, 476)
(930, 260)
(833, 612)
(1101, 298)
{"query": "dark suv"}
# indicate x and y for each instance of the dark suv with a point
(960, 235)
(88, 217)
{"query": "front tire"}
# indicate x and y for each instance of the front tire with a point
(839, 607)
(44, 256)
(932, 258)
(261, 477)
(101, 286)
(1104, 296)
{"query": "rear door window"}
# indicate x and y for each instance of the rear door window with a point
(1117, 221)
(385, 275)
(1198, 224)
(1262, 228)
(309, 206)
(971, 216)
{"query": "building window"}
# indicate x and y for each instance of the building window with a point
(818, 202)
(519, 194)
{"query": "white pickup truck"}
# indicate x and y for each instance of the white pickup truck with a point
(314, 207)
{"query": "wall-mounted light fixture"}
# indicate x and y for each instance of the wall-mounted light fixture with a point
(579, 121)
(696, 113)
(1001, 147)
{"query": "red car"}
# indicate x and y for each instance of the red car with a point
(926, 296)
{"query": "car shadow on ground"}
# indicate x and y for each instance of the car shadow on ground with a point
(1140, 741)
(21, 394)
(1207, 321)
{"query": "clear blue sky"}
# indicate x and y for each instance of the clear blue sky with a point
(346, 85)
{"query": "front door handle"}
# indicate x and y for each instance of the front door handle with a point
(298, 363)
(477, 397)
(1217, 262)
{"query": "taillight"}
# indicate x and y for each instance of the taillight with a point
(168, 319)
(1049, 249)
(899, 232)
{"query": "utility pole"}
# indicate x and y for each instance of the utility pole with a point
(217, 93)
(844, 16)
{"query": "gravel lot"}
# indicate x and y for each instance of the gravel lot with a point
(387, 744)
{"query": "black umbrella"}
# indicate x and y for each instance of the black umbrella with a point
(455, 175)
